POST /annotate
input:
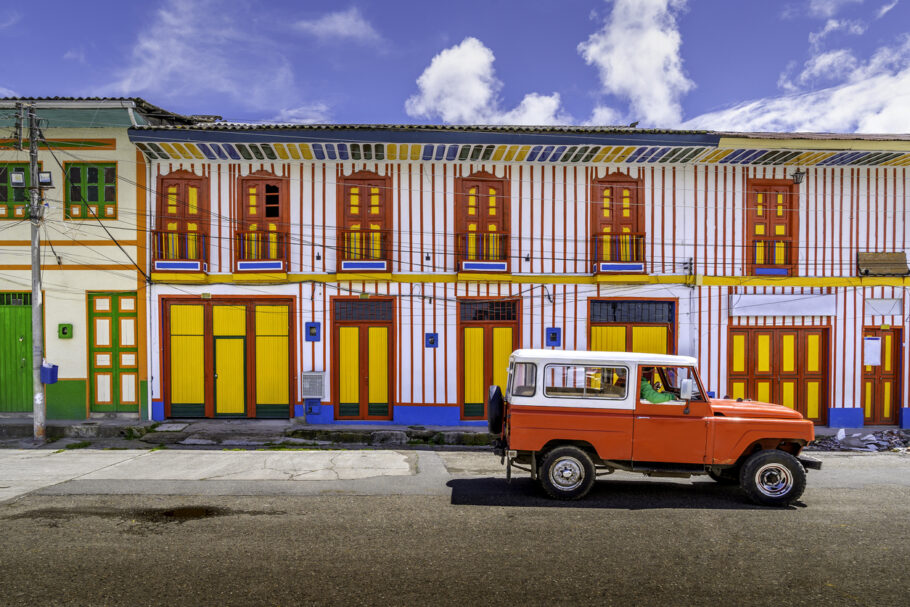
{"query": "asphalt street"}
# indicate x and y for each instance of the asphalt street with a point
(409, 527)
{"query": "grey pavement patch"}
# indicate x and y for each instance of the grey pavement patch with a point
(171, 427)
(197, 441)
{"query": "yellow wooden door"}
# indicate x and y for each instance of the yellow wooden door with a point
(229, 332)
(272, 376)
(378, 377)
(349, 371)
(608, 339)
(502, 349)
(649, 339)
(187, 360)
(473, 354)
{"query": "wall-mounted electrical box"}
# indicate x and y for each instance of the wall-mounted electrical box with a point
(65, 331)
(554, 336)
(312, 331)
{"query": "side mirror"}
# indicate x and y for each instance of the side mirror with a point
(686, 389)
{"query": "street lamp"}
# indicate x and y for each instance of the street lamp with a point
(798, 176)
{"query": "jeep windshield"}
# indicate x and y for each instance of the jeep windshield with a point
(668, 379)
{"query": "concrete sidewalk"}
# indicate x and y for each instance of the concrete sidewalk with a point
(238, 433)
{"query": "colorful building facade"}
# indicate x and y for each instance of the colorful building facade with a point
(383, 274)
(93, 258)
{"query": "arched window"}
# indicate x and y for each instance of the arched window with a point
(181, 235)
(263, 220)
(482, 223)
(617, 224)
(365, 221)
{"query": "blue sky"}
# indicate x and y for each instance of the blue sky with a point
(800, 65)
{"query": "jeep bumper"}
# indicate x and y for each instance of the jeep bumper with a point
(810, 462)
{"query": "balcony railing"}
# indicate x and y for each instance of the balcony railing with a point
(260, 246)
(371, 245)
(180, 246)
(772, 252)
(618, 248)
(482, 246)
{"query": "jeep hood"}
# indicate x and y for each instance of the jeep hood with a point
(752, 409)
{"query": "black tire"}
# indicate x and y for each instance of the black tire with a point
(495, 410)
(773, 478)
(566, 473)
(728, 476)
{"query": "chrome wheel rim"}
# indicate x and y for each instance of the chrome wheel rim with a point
(774, 480)
(567, 473)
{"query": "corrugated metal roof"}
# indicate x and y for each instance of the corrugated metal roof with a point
(155, 116)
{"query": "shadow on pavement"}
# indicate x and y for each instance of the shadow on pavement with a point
(621, 495)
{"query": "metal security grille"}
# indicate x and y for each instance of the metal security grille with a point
(364, 311)
(15, 299)
(488, 310)
(632, 312)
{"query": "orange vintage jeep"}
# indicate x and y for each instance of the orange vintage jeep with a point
(568, 416)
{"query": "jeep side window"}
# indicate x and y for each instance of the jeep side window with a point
(577, 381)
(524, 379)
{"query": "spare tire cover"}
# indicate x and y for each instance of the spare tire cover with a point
(495, 410)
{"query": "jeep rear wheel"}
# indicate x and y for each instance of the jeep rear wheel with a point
(773, 478)
(566, 473)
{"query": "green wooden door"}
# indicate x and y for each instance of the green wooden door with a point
(15, 352)
(113, 352)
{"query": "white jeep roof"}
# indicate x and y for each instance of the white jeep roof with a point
(586, 356)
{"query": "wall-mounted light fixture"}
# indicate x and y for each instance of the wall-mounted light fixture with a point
(17, 178)
(798, 176)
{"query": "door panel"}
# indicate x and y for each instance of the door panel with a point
(378, 379)
(882, 383)
(787, 366)
(608, 339)
(651, 340)
(16, 357)
(113, 351)
(502, 349)
(230, 375)
(474, 356)
(349, 371)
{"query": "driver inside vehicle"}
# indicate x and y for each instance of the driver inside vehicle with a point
(649, 387)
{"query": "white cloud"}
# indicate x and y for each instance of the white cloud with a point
(75, 54)
(340, 25)
(5, 92)
(198, 47)
(605, 116)
(460, 86)
(822, 68)
(9, 19)
(834, 25)
(828, 8)
(871, 97)
(314, 113)
(637, 57)
(885, 8)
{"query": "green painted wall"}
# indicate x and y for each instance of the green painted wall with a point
(143, 400)
(66, 399)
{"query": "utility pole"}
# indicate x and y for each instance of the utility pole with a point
(36, 214)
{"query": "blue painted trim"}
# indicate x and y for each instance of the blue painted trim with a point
(905, 418)
(622, 267)
(220, 151)
(772, 272)
(158, 410)
(557, 154)
(845, 418)
(299, 411)
(452, 152)
(440, 152)
(232, 151)
(363, 265)
(484, 265)
(553, 336)
(408, 415)
(260, 265)
(206, 150)
(177, 265)
(428, 134)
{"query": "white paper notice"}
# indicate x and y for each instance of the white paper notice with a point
(872, 351)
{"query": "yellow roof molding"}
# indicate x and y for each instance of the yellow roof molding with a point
(814, 144)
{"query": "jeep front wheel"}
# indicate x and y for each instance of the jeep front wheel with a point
(773, 478)
(566, 473)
